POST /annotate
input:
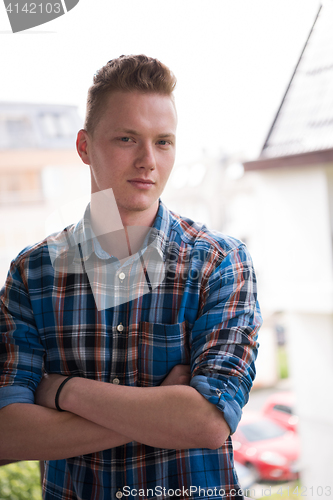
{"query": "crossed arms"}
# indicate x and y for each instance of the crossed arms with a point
(100, 416)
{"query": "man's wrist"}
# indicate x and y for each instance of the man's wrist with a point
(74, 394)
(60, 388)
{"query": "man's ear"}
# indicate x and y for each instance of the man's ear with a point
(82, 146)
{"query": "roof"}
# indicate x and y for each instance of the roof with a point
(302, 131)
(38, 126)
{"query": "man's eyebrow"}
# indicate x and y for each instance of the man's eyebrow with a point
(134, 132)
(126, 131)
(161, 136)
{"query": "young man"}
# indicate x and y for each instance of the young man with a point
(161, 369)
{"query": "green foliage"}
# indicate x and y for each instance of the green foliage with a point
(20, 481)
(283, 362)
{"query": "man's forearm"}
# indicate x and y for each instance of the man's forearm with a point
(31, 432)
(164, 417)
(7, 462)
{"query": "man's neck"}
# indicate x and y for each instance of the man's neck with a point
(120, 233)
(124, 243)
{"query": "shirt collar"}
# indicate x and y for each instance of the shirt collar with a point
(85, 242)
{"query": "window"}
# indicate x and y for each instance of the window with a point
(55, 125)
(16, 132)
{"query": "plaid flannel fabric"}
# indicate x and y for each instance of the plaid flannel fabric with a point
(203, 311)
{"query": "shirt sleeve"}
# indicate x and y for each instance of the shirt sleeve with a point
(21, 352)
(224, 337)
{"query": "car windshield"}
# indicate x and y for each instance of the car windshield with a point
(261, 430)
(283, 408)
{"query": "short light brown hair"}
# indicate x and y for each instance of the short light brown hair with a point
(127, 73)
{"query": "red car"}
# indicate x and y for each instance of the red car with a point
(279, 407)
(269, 449)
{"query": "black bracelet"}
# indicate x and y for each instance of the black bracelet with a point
(59, 391)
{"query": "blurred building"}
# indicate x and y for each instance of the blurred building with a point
(294, 238)
(39, 167)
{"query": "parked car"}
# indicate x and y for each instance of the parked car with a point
(280, 408)
(269, 449)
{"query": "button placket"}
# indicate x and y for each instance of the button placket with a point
(118, 364)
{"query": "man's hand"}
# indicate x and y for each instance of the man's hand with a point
(179, 375)
(47, 390)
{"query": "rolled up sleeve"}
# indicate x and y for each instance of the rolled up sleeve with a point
(21, 352)
(15, 394)
(224, 342)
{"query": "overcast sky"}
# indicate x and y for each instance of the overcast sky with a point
(233, 60)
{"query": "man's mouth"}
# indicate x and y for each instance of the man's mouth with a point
(142, 183)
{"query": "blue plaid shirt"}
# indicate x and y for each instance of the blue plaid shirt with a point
(203, 311)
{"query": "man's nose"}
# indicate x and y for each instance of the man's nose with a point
(146, 157)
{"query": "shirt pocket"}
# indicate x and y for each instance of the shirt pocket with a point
(161, 347)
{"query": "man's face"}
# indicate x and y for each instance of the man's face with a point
(132, 150)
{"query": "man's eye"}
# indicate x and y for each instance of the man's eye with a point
(164, 143)
(125, 139)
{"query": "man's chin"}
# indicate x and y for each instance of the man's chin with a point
(138, 206)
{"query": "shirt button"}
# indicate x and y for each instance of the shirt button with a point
(119, 494)
(120, 327)
(116, 381)
(122, 276)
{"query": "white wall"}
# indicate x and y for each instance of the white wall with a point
(293, 240)
(310, 342)
(291, 233)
